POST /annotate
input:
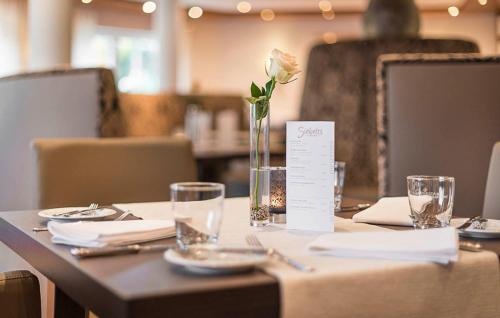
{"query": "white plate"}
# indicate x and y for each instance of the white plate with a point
(492, 229)
(216, 263)
(97, 214)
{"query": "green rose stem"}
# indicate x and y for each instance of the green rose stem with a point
(256, 191)
(260, 115)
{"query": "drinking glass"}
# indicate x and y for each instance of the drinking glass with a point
(431, 200)
(197, 209)
(339, 184)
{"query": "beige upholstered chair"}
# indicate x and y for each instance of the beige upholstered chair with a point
(438, 115)
(491, 208)
(75, 172)
(19, 295)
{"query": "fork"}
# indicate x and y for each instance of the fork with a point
(92, 206)
(252, 240)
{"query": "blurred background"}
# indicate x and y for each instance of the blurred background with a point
(206, 46)
(162, 68)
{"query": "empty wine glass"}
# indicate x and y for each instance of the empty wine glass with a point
(431, 200)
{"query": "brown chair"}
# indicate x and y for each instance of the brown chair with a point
(341, 86)
(19, 295)
(75, 172)
(438, 115)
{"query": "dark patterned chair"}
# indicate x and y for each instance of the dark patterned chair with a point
(19, 295)
(340, 86)
(438, 114)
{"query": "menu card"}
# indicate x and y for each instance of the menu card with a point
(310, 168)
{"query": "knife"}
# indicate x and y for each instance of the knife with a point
(86, 252)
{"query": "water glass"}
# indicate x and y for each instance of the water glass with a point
(339, 184)
(431, 200)
(197, 209)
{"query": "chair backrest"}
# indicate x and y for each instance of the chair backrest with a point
(438, 115)
(340, 85)
(58, 103)
(19, 295)
(491, 208)
(75, 172)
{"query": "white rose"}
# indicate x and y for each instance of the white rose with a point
(282, 66)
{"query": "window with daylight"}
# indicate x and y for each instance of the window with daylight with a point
(130, 53)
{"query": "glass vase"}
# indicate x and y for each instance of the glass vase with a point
(259, 166)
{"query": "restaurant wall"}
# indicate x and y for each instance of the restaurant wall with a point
(479, 27)
(228, 52)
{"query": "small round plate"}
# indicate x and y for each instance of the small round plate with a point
(95, 215)
(214, 263)
(492, 229)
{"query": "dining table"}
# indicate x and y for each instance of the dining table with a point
(144, 284)
(215, 150)
(233, 145)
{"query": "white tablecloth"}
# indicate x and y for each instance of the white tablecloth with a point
(343, 287)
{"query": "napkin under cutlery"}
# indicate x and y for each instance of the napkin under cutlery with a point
(387, 211)
(433, 245)
(110, 233)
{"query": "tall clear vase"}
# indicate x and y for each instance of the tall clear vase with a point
(259, 168)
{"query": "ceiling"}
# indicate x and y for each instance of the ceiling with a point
(339, 6)
(229, 6)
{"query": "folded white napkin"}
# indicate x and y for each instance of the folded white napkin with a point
(99, 234)
(433, 245)
(388, 211)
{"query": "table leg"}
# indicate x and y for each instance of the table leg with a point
(66, 307)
